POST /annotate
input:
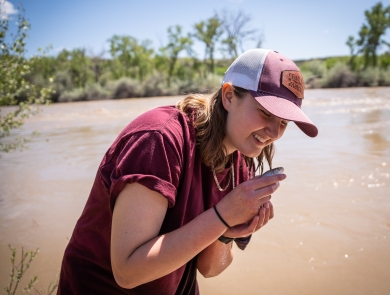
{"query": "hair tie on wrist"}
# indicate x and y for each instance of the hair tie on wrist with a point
(220, 217)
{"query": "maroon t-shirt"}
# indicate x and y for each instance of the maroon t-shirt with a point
(158, 150)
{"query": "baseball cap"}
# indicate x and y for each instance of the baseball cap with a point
(275, 82)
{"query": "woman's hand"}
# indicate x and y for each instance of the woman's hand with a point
(243, 206)
(266, 212)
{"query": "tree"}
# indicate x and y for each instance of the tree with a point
(351, 43)
(97, 62)
(144, 58)
(370, 34)
(235, 26)
(130, 58)
(176, 44)
(209, 32)
(15, 89)
(78, 67)
(76, 63)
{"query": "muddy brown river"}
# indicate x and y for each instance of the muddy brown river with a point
(331, 231)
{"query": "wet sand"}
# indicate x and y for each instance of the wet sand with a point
(331, 231)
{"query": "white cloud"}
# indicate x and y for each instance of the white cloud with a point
(6, 9)
(326, 31)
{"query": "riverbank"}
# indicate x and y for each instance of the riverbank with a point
(316, 73)
(100, 79)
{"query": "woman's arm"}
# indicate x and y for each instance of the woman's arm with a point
(218, 256)
(139, 256)
(215, 259)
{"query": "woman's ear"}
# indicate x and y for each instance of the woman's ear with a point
(227, 95)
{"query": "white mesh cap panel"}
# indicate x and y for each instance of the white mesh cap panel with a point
(245, 71)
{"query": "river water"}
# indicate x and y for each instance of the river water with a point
(331, 231)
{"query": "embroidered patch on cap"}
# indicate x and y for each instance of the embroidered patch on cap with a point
(293, 81)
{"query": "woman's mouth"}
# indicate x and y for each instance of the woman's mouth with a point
(259, 138)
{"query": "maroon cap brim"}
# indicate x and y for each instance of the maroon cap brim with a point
(287, 110)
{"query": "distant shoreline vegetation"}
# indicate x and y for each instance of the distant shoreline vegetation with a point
(77, 77)
(338, 72)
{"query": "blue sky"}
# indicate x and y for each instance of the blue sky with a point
(299, 29)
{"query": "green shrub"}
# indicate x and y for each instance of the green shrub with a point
(339, 76)
(211, 83)
(368, 77)
(384, 77)
(125, 88)
(18, 270)
(208, 84)
(315, 67)
(155, 85)
(384, 60)
(332, 61)
(19, 267)
(77, 94)
(95, 91)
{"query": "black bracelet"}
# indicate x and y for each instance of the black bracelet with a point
(220, 217)
(225, 240)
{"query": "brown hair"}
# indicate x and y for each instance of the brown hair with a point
(209, 119)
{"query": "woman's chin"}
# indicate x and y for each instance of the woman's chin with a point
(251, 154)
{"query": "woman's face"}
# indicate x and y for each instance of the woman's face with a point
(249, 126)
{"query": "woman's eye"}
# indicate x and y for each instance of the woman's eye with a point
(266, 113)
(285, 122)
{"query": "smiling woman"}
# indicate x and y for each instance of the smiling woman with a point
(177, 186)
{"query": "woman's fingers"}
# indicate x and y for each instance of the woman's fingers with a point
(266, 191)
(242, 204)
(261, 182)
(267, 213)
(271, 215)
(242, 230)
(264, 200)
(253, 225)
(263, 187)
(261, 219)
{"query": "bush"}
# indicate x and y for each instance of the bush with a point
(208, 84)
(333, 61)
(77, 94)
(155, 85)
(125, 88)
(312, 72)
(95, 92)
(385, 60)
(90, 92)
(368, 77)
(339, 76)
(315, 67)
(374, 77)
(384, 77)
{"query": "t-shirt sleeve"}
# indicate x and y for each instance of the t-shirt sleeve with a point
(148, 158)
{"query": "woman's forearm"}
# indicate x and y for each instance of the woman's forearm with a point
(164, 254)
(215, 259)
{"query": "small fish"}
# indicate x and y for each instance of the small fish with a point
(275, 171)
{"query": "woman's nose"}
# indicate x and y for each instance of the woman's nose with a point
(274, 128)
